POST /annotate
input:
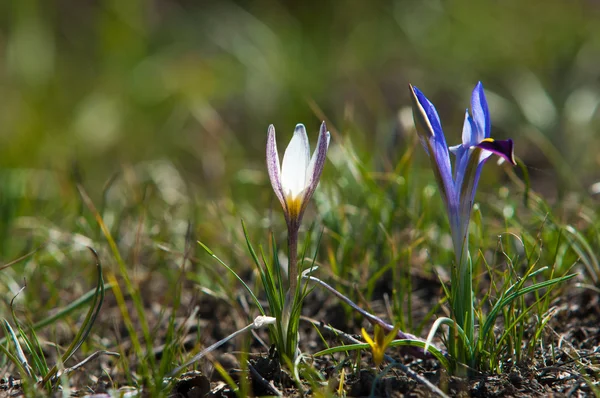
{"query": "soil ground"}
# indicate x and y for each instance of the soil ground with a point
(565, 364)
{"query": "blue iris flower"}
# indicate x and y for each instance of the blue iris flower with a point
(458, 192)
(458, 188)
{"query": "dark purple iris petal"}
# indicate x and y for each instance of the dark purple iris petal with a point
(502, 148)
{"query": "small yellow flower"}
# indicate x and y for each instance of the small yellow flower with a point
(381, 341)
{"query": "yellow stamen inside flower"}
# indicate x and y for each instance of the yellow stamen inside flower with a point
(293, 207)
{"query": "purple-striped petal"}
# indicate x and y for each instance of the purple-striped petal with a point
(502, 148)
(274, 167)
(481, 113)
(317, 162)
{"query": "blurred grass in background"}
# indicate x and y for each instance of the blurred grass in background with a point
(172, 99)
(105, 83)
(138, 99)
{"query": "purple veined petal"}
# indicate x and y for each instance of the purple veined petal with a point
(467, 181)
(481, 113)
(317, 162)
(502, 148)
(470, 161)
(273, 166)
(454, 149)
(462, 154)
(432, 137)
(470, 165)
(294, 165)
(428, 123)
(470, 135)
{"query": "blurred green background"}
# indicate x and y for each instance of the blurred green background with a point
(90, 86)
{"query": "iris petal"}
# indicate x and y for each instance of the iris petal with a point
(481, 113)
(470, 135)
(502, 148)
(427, 115)
(432, 137)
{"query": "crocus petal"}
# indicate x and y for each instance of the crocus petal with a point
(295, 163)
(432, 137)
(481, 113)
(502, 148)
(273, 166)
(317, 162)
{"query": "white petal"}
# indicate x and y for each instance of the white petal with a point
(295, 163)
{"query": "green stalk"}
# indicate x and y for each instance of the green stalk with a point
(462, 304)
(293, 256)
(288, 319)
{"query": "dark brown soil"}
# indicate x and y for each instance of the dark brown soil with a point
(565, 363)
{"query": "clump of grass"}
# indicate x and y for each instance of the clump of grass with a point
(25, 350)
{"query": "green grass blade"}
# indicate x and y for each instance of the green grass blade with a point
(254, 298)
(395, 343)
(24, 370)
(20, 359)
(88, 322)
(133, 291)
(504, 301)
(31, 344)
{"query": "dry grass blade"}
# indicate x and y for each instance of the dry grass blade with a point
(264, 382)
(18, 260)
(88, 360)
(259, 322)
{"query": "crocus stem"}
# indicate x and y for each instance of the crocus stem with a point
(293, 258)
(290, 337)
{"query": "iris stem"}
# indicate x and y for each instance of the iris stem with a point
(462, 301)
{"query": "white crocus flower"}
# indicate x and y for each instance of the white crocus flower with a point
(295, 181)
